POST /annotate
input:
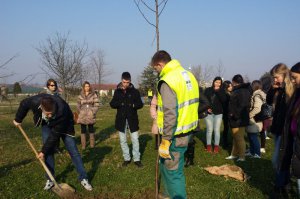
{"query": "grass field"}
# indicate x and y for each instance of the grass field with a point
(21, 175)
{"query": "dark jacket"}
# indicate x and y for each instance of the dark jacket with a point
(226, 105)
(203, 104)
(61, 123)
(239, 105)
(127, 102)
(276, 98)
(216, 99)
(290, 145)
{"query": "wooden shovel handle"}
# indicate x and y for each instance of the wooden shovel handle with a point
(36, 155)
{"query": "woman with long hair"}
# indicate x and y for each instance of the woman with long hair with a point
(216, 97)
(87, 107)
(279, 96)
(292, 124)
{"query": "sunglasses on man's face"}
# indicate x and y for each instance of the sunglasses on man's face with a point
(52, 85)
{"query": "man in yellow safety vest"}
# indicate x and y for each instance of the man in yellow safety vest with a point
(177, 117)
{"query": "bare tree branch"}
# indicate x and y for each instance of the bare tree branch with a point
(63, 59)
(97, 63)
(220, 69)
(29, 78)
(137, 5)
(9, 60)
(147, 6)
(157, 14)
(166, 1)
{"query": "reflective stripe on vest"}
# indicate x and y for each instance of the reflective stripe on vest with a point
(185, 86)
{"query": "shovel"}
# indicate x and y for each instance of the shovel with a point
(63, 190)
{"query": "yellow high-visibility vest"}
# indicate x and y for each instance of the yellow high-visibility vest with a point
(185, 86)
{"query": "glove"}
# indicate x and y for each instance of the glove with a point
(164, 149)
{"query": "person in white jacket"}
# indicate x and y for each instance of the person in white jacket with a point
(254, 128)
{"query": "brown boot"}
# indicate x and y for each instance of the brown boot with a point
(92, 140)
(83, 140)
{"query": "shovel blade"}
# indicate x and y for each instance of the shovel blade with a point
(64, 190)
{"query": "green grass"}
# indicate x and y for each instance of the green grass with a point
(21, 175)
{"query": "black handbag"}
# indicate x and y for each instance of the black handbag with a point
(266, 112)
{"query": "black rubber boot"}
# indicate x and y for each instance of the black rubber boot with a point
(189, 154)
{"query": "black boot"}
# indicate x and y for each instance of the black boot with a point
(189, 154)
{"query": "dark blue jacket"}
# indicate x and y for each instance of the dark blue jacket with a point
(61, 123)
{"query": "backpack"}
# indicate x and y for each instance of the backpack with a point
(266, 111)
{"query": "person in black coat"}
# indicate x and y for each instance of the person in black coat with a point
(127, 101)
(227, 86)
(238, 111)
(56, 119)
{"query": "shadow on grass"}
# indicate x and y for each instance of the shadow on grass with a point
(261, 173)
(4, 170)
(144, 139)
(94, 155)
(104, 134)
(201, 135)
(100, 136)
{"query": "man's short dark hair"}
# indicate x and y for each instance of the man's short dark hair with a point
(160, 56)
(126, 76)
(238, 79)
(48, 104)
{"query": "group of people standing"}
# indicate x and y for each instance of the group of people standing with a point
(176, 108)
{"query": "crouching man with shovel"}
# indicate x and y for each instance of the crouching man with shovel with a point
(56, 119)
(177, 117)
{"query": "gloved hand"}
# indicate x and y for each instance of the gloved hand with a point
(164, 149)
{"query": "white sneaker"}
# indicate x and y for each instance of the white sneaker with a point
(256, 156)
(248, 154)
(85, 183)
(49, 185)
(267, 138)
(241, 160)
(262, 150)
(231, 157)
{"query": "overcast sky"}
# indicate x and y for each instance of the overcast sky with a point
(246, 36)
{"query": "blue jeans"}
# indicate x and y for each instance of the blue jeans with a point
(71, 147)
(282, 176)
(254, 143)
(275, 157)
(213, 124)
(135, 145)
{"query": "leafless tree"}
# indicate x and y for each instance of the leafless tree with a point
(98, 66)
(220, 70)
(3, 66)
(202, 74)
(155, 10)
(63, 59)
